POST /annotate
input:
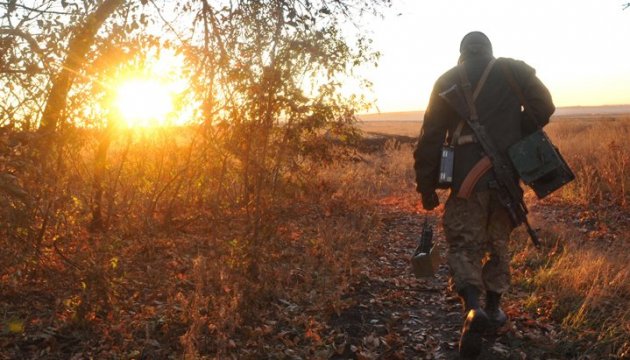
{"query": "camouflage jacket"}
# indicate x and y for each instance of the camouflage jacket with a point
(499, 111)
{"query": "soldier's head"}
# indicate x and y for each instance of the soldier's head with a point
(474, 44)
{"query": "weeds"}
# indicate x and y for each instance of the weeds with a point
(596, 151)
(579, 284)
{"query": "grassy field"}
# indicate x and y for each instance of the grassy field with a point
(593, 145)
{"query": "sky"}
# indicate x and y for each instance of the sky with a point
(579, 48)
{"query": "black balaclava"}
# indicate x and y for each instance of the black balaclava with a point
(475, 44)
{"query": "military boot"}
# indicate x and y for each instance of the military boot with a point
(475, 325)
(470, 297)
(493, 309)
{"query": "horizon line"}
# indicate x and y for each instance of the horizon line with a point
(558, 107)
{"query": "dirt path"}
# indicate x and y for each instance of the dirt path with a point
(396, 316)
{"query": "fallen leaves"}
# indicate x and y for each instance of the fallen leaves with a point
(322, 295)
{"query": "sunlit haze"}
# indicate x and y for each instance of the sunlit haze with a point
(149, 97)
(579, 48)
(143, 102)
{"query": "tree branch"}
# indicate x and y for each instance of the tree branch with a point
(31, 41)
(167, 23)
(8, 5)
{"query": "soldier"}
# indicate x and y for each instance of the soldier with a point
(476, 225)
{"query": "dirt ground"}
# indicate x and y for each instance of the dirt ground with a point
(396, 316)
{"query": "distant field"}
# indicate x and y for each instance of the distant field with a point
(393, 116)
(405, 128)
(412, 127)
(407, 123)
(593, 110)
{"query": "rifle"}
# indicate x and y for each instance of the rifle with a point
(507, 186)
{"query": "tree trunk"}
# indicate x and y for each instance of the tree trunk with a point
(100, 168)
(78, 47)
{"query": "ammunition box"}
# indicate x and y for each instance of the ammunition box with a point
(539, 164)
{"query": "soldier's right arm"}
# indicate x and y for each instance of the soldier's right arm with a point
(536, 94)
(432, 135)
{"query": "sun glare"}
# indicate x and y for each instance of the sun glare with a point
(144, 102)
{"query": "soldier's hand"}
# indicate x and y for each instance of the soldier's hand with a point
(430, 200)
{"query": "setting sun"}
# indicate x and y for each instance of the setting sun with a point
(143, 102)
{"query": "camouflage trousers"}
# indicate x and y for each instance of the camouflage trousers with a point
(477, 232)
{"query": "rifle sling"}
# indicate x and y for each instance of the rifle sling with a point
(485, 164)
(466, 87)
(457, 138)
(483, 79)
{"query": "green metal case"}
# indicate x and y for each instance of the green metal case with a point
(539, 164)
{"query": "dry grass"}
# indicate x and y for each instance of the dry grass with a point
(586, 276)
(184, 263)
(386, 173)
(598, 153)
(183, 260)
(580, 285)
